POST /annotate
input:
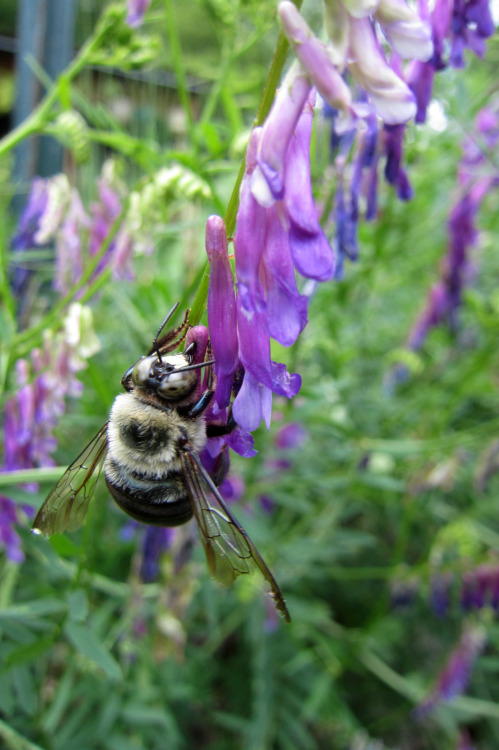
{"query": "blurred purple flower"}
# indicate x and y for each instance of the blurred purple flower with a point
(475, 179)
(35, 408)
(455, 675)
(9, 538)
(24, 238)
(156, 540)
(393, 140)
(463, 24)
(135, 12)
(290, 436)
(69, 261)
(471, 24)
(440, 594)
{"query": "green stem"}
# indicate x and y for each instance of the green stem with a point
(178, 66)
(15, 741)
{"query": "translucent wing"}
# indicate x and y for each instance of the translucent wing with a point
(67, 504)
(229, 550)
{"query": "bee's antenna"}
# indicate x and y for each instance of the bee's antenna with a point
(196, 367)
(163, 324)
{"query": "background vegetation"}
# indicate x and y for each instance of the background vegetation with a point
(383, 497)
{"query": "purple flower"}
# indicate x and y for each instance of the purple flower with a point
(311, 253)
(34, 409)
(455, 675)
(135, 12)
(346, 224)
(441, 20)
(408, 34)
(435, 311)
(104, 215)
(156, 540)
(316, 60)
(391, 97)
(394, 173)
(440, 594)
(29, 223)
(69, 262)
(221, 310)
(474, 180)
(290, 436)
(471, 24)
(279, 128)
(419, 76)
(9, 538)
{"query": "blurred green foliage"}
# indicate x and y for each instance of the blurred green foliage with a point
(90, 656)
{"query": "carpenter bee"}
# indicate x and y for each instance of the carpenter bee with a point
(150, 452)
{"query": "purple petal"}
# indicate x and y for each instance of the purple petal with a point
(221, 309)
(406, 32)
(135, 12)
(241, 442)
(286, 307)
(393, 100)
(247, 408)
(292, 435)
(315, 58)
(279, 128)
(249, 238)
(312, 254)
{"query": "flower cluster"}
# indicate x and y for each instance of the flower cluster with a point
(35, 409)
(113, 228)
(397, 94)
(458, 25)
(277, 233)
(478, 588)
(354, 45)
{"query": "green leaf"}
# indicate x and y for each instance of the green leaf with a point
(88, 644)
(28, 652)
(31, 610)
(77, 605)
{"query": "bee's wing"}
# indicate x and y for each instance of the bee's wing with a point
(67, 504)
(229, 550)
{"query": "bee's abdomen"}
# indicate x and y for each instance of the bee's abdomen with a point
(158, 501)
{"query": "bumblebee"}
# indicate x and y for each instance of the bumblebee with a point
(150, 452)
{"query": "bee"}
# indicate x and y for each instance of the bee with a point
(149, 449)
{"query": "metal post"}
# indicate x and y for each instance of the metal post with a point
(31, 19)
(59, 48)
(46, 34)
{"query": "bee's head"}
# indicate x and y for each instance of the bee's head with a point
(165, 376)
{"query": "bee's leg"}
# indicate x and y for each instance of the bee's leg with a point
(172, 339)
(201, 405)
